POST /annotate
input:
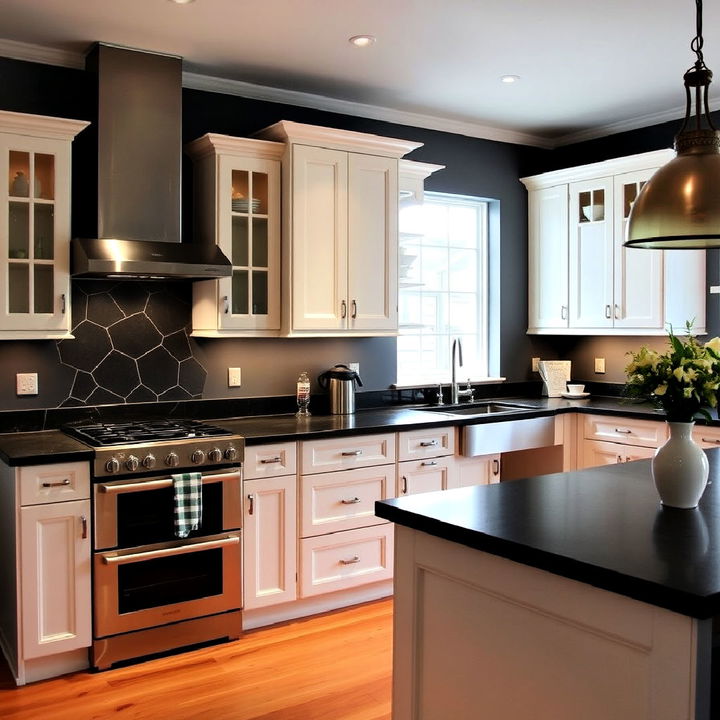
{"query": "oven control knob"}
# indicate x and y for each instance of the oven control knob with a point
(132, 463)
(215, 455)
(112, 465)
(197, 456)
(230, 453)
(149, 462)
(172, 459)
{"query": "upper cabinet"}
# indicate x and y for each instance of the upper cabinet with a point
(35, 160)
(580, 277)
(237, 206)
(340, 237)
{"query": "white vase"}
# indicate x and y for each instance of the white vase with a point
(680, 468)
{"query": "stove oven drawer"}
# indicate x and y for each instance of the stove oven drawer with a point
(164, 583)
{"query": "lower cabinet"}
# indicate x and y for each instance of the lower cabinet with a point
(426, 461)
(45, 604)
(480, 470)
(596, 452)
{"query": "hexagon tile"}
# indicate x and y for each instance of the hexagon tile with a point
(131, 345)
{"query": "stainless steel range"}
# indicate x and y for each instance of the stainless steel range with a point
(154, 591)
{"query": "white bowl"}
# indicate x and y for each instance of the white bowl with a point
(593, 212)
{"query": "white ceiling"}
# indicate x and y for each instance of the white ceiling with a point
(586, 68)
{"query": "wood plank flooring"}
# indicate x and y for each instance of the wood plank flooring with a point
(335, 666)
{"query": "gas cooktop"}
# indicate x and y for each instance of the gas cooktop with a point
(129, 433)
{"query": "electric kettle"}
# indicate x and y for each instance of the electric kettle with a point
(340, 383)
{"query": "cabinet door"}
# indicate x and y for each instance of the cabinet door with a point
(480, 470)
(638, 274)
(425, 476)
(685, 289)
(319, 238)
(248, 206)
(596, 453)
(269, 542)
(34, 235)
(591, 253)
(372, 242)
(55, 577)
(548, 258)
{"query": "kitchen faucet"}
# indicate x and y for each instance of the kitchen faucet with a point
(455, 392)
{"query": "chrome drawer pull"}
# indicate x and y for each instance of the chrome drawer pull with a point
(428, 443)
(83, 521)
(429, 462)
(404, 485)
(267, 461)
(352, 501)
(712, 441)
(352, 561)
(624, 431)
(351, 453)
(251, 499)
(66, 481)
(164, 552)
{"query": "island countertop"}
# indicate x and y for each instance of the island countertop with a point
(601, 526)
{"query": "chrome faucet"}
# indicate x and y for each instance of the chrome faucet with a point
(455, 392)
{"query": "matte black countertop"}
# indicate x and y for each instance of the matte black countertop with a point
(41, 448)
(602, 526)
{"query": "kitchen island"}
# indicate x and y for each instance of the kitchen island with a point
(564, 596)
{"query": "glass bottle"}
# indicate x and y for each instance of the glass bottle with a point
(302, 395)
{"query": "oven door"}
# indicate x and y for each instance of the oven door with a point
(167, 582)
(140, 511)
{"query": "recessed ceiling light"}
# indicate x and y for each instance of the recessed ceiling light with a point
(362, 40)
(182, 2)
(509, 78)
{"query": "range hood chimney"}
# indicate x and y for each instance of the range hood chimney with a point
(139, 174)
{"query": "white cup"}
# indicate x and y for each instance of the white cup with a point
(575, 389)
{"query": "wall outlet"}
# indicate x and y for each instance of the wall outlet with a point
(536, 364)
(599, 365)
(26, 383)
(234, 377)
(355, 367)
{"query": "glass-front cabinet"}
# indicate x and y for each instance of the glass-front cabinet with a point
(35, 161)
(237, 206)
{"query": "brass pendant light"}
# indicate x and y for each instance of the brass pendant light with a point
(679, 207)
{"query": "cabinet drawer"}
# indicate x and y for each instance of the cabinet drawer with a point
(343, 500)
(706, 436)
(649, 433)
(345, 453)
(431, 475)
(269, 460)
(432, 442)
(54, 483)
(345, 559)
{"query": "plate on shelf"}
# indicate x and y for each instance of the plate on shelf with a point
(242, 204)
(575, 396)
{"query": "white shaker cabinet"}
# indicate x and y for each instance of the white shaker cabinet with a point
(270, 525)
(237, 207)
(45, 615)
(35, 162)
(581, 280)
(340, 236)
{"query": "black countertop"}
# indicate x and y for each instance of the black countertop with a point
(602, 526)
(41, 448)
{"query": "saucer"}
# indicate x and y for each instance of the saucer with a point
(575, 396)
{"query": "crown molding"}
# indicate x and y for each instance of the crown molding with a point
(195, 81)
(41, 54)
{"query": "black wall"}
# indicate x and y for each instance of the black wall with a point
(473, 167)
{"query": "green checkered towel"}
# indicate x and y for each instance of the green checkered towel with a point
(188, 502)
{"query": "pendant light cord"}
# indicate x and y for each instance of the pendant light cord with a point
(697, 42)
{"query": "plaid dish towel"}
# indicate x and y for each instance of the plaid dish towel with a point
(188, 503)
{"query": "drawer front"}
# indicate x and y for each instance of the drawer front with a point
(706, 436)
(433, 442)
(343, 500)
(345, 559)
(420, 476)
(649, 433)
(346, 453)
(54, 483)
(269, 460)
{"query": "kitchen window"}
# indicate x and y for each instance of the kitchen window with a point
(442, 288)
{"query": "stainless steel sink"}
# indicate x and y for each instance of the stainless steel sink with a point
(477, 409)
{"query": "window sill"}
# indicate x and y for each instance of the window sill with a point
(434, 383)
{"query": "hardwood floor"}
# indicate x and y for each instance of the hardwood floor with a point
(336, 666)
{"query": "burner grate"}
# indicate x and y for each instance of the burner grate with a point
(126, 433)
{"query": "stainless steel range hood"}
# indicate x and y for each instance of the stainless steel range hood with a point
(139, 174)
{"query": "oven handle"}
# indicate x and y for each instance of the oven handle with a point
(119, 488)
(164, 552)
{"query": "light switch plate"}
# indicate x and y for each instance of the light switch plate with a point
(26, 383)
(355, 367)
(600, 365)
(234, 377)
(536, 364)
